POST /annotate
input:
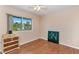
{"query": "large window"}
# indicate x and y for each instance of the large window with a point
(27, 24)
(19, 23)
(16, 23)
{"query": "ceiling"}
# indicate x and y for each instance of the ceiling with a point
(43, 11)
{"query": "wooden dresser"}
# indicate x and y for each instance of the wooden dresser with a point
(10, 42)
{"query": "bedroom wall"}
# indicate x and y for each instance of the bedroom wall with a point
(66, 21)
(25, 36)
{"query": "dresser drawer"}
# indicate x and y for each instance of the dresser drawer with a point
(15, 38)
(10, 43)
(7, 40)
(10, 48)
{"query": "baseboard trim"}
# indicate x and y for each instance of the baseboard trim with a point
(69, 46)
(27, 42)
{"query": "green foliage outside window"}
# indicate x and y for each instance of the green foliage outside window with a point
(20, 23)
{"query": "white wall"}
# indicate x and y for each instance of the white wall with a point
(66, 22)
(25, 36)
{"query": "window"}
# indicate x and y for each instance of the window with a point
(16, 23)
(19, 23)
(27, 24)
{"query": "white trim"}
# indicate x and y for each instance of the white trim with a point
(2, 45)
(26, 42)
(69, 46)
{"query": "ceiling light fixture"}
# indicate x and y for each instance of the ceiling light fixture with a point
(37, 8)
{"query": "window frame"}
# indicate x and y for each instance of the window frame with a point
(10, 25)
(28, 19)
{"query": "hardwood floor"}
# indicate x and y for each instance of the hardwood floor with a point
(41, 46)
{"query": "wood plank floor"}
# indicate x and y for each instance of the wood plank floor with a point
(41, 46)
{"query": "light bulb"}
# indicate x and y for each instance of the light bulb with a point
(35, 8)
(38, 8)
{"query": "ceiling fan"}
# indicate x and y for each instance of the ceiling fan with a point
(38, 7)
